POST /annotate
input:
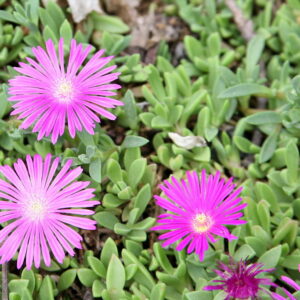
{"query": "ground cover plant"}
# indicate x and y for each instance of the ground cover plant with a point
(149, 149)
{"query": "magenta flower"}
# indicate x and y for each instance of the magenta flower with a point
(239, 280)
(199, 209)
(39, 206)
(49, 94)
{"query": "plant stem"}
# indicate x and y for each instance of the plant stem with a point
(244, 25)
(4, 281)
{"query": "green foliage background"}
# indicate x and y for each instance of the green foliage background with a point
(242, 97)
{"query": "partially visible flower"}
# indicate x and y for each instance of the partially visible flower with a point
(40, 207)
(292, 284)
(239, 280)
(51, 92)
(199, 210)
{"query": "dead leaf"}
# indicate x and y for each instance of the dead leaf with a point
(187, 142)
(141, 30)
(125, 9)
(121, 6)
(148, 25)
(81, 8)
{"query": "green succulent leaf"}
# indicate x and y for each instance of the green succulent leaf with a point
(108, 250)
(264, 117)
(86, 276)
(245, 89)
(270, 259)
(131, 141)
(66, 279)
(95, 169)
(109, 23)
(115, 274)
(46, 289)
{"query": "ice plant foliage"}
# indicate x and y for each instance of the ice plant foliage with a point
(40, 207)
(51, 91)
(239, 280)
(198, 209)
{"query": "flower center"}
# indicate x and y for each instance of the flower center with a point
(35, 207)
(243, 288)
(64, 91)
(201, 223)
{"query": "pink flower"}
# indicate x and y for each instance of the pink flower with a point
(199, 209)
(292, 284)
(239, 280)
(49, 94)
(39, 206)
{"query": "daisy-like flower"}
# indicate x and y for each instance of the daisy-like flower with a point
(198, 211)
(40, 208)
(239, 280)
(52, 92)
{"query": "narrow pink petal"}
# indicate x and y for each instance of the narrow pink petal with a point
(22, 252)
(291, 282)
(184, 242)
(77, 221)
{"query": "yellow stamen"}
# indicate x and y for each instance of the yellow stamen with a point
(201, 223)
(35, 208)
(64, 91)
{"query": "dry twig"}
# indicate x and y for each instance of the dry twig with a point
(4, 281)
(245, 26)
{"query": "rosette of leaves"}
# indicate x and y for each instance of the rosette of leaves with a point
(132, 69)
(41, 24)
(214, 17)
(113, 275)
(271, 234)
(10, 42)
(171, 101)
(31, 286)
(128, 191)
(285, 39)
(23, 16)
(11, 37)
(120, 174)
(190, 106)
(124, 276)
(207, 53)
(134, 273)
